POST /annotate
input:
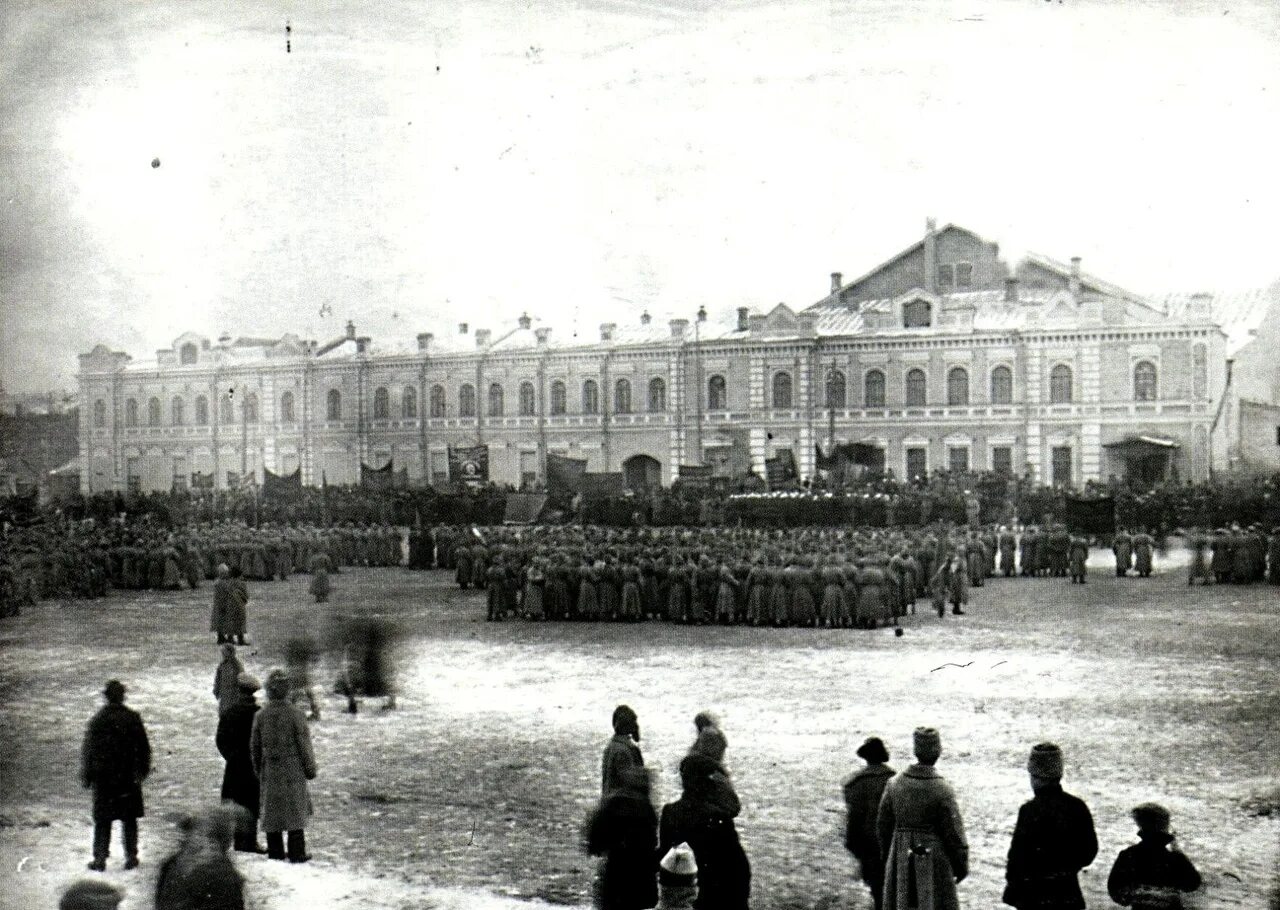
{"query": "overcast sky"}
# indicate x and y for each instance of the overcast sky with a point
(408, 165)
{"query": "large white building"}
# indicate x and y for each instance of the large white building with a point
(942, 357)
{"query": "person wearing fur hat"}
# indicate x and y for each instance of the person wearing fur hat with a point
(239, 782)
(199, 873)
(710, 741)
(624, 830)
(115, 760)
(225, 688)
(1053, 840)
(677, 879)
(1153, 874)
(921, 834)
(91, 894)
(703, 819)
(622, 751)
(862, 793)
(280, 748)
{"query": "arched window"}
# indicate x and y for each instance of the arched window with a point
(250, 408)
(1144, 381)
(1060, 391)
(782, 390)
(622, 397)
(224, 410)
(99, 413)
(334, 408)
(528, 399)
(202, 410)
(176, 408)
(153, 412)
(717, 400)
(590, 397)
(131, 412)
(657, 395)
(1002, 385)
(836, 391)
(1199, 370)
(381, 403)
(467, 400)
(286, 408)
(917, 314)
(495, 400)
(438, 406)
(958, 386)
(558, 397)
(409, 402)
(188, 354)
(873, 389)
(917, 388)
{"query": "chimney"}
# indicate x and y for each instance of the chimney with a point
(541, 333)
(678, 328)
(836, 282)
(702, 314)
(606, 330)
(462, 328)
(743, 318)
(363, 344)
(424, 341)
(756, 323)
(351, 329)
(482, 337)
(645, 318)
(525, 321)
(931, 256)
(1011, 290)
(1073, 283)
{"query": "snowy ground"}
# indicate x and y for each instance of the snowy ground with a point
(471, 795)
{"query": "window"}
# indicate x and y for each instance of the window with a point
(381, 403)
(917, 462)
(946, 278)
(179, 473)
(622, 397)
(1060, 391)
(590, 397)
(1061, 461)
(176, 408)
(717, 399)
(1199, 371)
(917, 387)
(409, 402)
(467, 400)
(224, 409)
(657, 395)
(1002, 460)
(496, 402)
(558, 397)
(964, 274)
(250, 408)
(782, 390)
(438, 406)
(153, 412)
(917, 314)
(202, 410)
(528, 400)
(958, 459)
(188, 354)
(958, 386)
(1144, 381)
(1002, 385)
(286, 408)
(131, 413)
(99, 413)
(873, 389)
(334, 409)
(836, 391)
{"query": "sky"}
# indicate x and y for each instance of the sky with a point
(410, 165)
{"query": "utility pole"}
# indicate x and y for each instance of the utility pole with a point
(697, 372)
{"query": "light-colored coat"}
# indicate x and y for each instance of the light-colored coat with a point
(280, 746)
(922, 836)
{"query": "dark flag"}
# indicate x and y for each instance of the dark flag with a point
(565, 473)
(697, 475)
(469, 465)
(781, 468)
(1090, 516)
(281, 486)
(601, 485)
(382, 478)
(201, 481)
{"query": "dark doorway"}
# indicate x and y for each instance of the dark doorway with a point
(642, 472)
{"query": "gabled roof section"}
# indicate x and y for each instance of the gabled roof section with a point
(1087, 281)
(900, 255)
(1240, 314)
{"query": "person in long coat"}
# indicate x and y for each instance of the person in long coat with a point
(1008, 551)
(280, 747)
(1053, 840)
(959, 581)
(703, 819)
(1142, 548)
(320, 587)
(1153, 873)
(624, 830)
(622, 751)
(199, 874)
(921, 834)
(239, 782)
(1079, 557)
(1122, 547)
(226, 688)
(224, 606)
(115, 760)
(862, 793)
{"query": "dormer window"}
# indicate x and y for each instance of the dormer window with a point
(964, 274)
(917, 314)
(946, 278)
(188, 354)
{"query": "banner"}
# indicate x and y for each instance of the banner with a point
(469, 465)
(523, 508)
(695, 473)
(564, 473)
(382, 478)
(200, 481)
(781, 468)
(281, 485)
(1090, 516)
(599, 485)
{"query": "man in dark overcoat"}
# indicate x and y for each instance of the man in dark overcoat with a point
(622, 751)
(1053, 840)
(115, 760)
(862, 794)
(239, 783)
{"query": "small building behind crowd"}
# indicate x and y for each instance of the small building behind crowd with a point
(944, 356)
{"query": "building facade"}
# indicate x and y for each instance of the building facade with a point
(942, 357)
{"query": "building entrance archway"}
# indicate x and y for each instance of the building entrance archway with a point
(642, 472)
